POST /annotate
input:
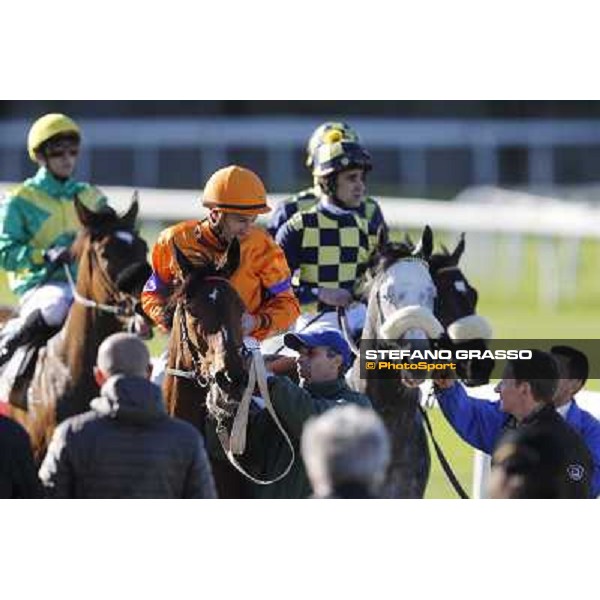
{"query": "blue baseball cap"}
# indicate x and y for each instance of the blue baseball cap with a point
(320, 336)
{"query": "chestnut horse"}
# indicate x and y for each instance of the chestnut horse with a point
(112, 269)
(206, 356)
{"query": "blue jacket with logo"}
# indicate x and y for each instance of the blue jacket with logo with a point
(480, 423)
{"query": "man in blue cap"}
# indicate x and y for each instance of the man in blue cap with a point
(324, 357)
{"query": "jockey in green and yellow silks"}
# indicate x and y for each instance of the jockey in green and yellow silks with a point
(38, 223)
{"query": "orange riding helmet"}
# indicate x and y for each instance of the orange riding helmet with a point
(235, 189)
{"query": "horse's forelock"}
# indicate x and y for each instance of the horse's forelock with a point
(441, 261)
(389, 254)
(191, 292)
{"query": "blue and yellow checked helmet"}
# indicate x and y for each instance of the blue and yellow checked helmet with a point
(337, 156)
(319, 136)
(340, 156)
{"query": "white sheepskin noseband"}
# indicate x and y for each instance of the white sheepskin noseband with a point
(411, 317)
(473, 327)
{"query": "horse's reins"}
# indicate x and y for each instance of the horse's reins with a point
(115, 309)
(313, 320)
(446, 467)
(236, 442)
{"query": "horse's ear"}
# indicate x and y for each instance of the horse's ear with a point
(185, 265)
(460, 248)
(128, 219)
(425, 246)
(232, 260)
(84, 214)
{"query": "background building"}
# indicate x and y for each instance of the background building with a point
(425, 148)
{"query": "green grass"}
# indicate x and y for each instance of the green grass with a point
(513, 309)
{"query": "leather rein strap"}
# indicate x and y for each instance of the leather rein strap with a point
(448, 471)
(235, 444)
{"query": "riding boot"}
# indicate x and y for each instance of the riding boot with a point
(34, 331)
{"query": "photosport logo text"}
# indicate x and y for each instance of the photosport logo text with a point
(390, 360)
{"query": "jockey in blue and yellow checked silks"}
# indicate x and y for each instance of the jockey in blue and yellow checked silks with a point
(328, 246)
(309, 197)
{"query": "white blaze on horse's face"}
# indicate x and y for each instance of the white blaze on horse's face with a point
(125, 236)
(406, 283)
(214, 295)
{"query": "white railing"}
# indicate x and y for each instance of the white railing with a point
(491, 216)
(479, 210)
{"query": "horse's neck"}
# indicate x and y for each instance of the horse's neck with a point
(182, 397)
(373, 318)
(85, 328)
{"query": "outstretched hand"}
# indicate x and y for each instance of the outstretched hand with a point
(444, 379)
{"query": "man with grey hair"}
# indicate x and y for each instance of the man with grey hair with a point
(126, 446)
(346, 452)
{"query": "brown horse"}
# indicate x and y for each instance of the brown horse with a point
(206, 348)
(112, 269)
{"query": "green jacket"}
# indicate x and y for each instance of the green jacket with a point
(267, 452)
(34, 216)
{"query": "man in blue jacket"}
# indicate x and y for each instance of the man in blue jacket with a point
(481, 423)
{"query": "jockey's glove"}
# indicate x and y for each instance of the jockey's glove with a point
(58, 255)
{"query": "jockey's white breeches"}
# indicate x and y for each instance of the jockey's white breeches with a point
(356, 315)
(53, 299)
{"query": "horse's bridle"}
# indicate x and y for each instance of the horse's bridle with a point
(124, 304)
(196, 354)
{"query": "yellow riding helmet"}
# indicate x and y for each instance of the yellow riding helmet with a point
(235, 189)
(47, 127)
(320, 134)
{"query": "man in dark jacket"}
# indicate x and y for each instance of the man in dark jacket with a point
(526, 393)
(527, 463)
(18, 477)
(126, 446)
